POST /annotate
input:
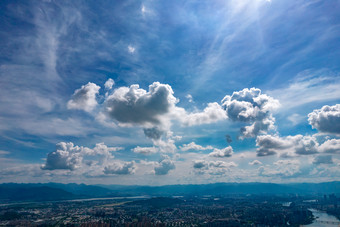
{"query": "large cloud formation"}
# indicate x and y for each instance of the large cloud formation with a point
(67, 156)
(286, 146)
(326, 119)
(250, 106)
(330, 146)
(84, 98)
(212, 167)
(221, 153)
(118, 168)
(132, 105)
(283, 168)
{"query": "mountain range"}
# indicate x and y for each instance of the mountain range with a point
(13, 192)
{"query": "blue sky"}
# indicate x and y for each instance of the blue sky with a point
(169, 92)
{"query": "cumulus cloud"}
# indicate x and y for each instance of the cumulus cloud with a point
(286, 146)
(255, 163)
(282, 168)
(145, 150)
(212, 113)
(153, 133)
(326, 119)
(323, 159)
(133, 105)
(221, 153)
(119, 168)
(195, 147)
(330, 146)
(250, 106)
(66, 156)
(164, 166)
(189, 97)
(109, 84)
(199, 164)
(228, 138)
(212, 167)
(70, 157)
(84, 98)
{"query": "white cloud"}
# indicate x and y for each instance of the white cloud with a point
(250, 106)
(330, 146)
(295, 119)
(323, 159)
(109, 84)
(194, 146)
(221, 153)
(121, 168)
(70, 157)
(133, 105)
(164, 166)
(326, 119)
(66, 156)
(131, 49)
(84, 98)
(308, 87)
(145, 150)
(281, 168)
(212, 113)
(255, 162)
(212, 167)
(286, 146)
(189, 97)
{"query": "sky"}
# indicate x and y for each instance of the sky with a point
(169, 92)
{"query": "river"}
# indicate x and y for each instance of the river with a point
(323, 219)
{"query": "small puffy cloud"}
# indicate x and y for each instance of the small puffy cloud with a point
(189, 97)
(330, 146)
(164, 166)
(228, 138)
(153, 133)
(323, 159)
(145, 150)
(326, 119)
(119, 168)
(195, 147)
(84, 98)
(199, 164)
(255, 163)
(221, 153)
(109, 84)
(66, 156)
(133, 105)
(212, 113)
(286, 146)
(250, 106)
(131, 49)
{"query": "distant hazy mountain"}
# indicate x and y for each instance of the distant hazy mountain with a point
(228, 188)
(55, 191)
(17, 192)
